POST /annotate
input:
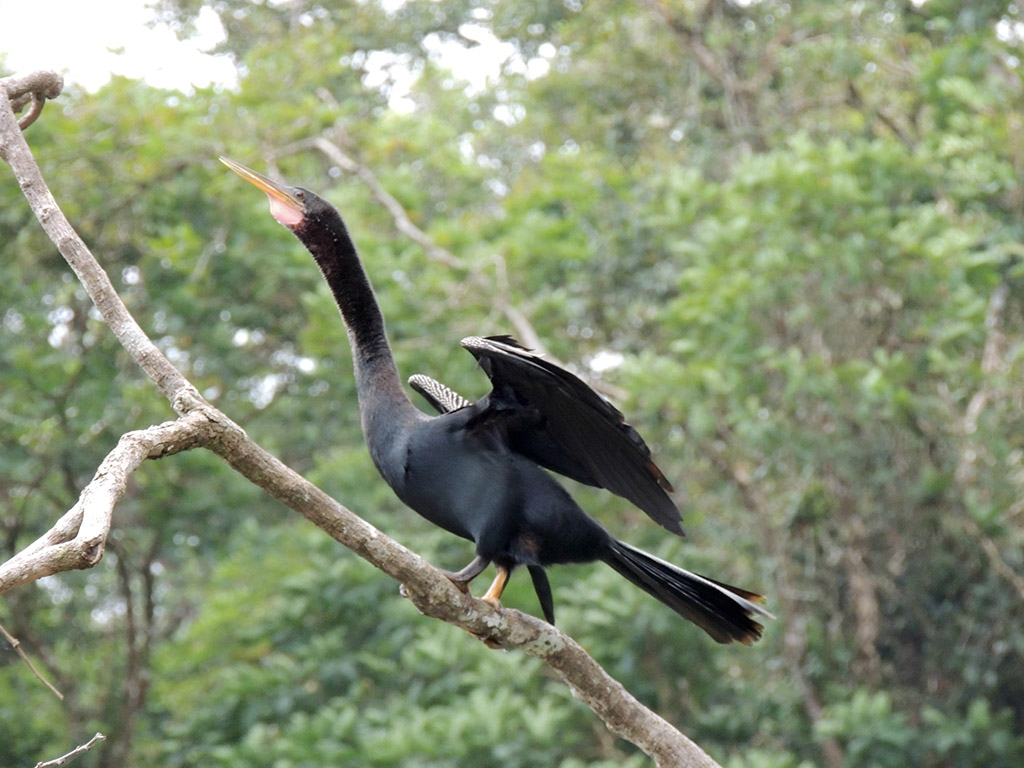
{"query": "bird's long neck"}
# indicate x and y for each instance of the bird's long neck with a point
(378, 385)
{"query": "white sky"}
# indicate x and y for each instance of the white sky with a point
(87, 41)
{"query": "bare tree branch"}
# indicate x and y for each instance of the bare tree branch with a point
(77, 540)
(16, 645)
(34, 113)
(73, 753)
(430, 591)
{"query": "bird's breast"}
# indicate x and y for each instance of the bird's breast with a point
(457, 480)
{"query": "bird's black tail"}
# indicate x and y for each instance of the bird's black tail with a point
(724, 612)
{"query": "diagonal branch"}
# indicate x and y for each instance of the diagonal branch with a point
(78, 538)
(73, 753)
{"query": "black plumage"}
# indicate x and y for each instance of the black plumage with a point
(478, 468)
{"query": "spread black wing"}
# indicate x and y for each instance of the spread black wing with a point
(555, 419)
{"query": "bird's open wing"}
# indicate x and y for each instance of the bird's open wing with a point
(441, 398)
(555, 419)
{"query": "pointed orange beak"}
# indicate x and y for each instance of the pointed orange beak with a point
(283, 200)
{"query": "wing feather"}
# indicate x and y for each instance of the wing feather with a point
(441, 398)
(555, 419)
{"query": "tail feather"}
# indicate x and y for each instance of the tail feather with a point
(723, 611)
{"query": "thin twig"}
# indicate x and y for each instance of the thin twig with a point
(73, 753)
(16, 645)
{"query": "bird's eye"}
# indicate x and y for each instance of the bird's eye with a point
(300, 195)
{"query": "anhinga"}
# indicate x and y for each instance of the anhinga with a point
(476, 469)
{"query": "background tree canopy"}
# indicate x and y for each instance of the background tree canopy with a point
(791, 232)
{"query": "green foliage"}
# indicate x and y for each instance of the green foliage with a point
(330, 666)
(877, 734)
(799, 224)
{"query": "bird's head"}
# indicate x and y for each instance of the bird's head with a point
(291, 206)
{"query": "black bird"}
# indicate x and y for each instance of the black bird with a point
(476, 469)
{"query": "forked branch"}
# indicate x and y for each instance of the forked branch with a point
(77, 539)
